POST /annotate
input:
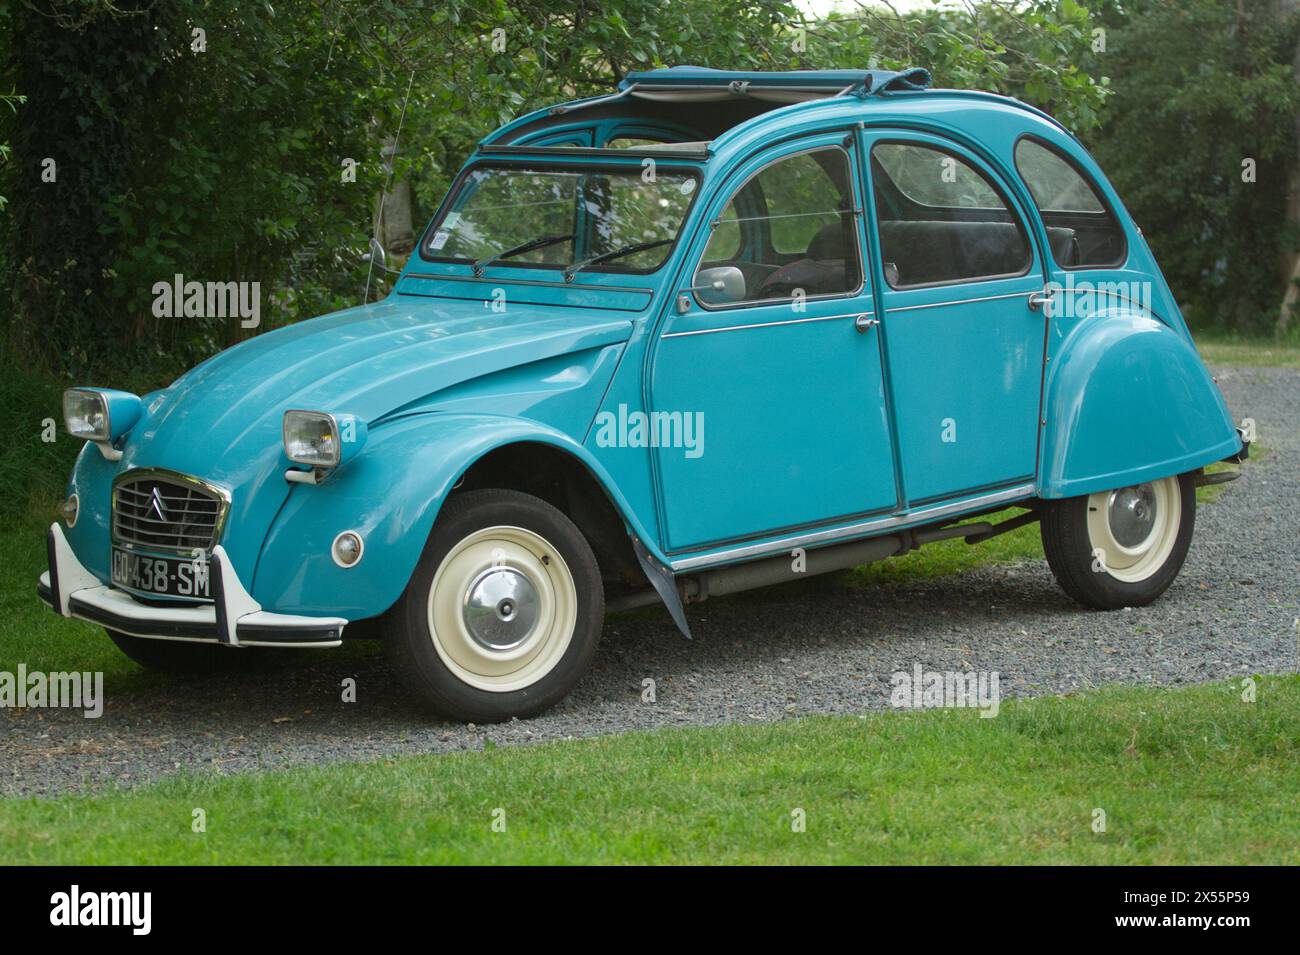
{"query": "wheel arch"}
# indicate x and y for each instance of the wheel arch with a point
(1129, 400)
(567, 482)
(392, 493)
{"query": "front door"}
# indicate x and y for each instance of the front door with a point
(780, 372)
(965, 342)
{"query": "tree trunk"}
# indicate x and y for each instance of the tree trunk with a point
(394, 228)
(1291, 257)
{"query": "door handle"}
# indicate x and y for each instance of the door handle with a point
(1038, 299)
(864, 322)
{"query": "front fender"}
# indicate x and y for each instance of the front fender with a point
(390, 495)
(1130, 400)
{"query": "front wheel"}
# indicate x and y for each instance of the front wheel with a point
(1121, 548)
(503, 613)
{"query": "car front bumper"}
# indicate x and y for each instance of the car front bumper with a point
(233, 618)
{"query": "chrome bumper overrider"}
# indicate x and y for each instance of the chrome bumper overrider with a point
(233, 618)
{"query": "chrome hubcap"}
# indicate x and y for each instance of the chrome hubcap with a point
(500, 608)
(503, 609)
(1132, 514)
(1133, 530)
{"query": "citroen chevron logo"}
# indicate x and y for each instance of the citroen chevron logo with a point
(156, 506)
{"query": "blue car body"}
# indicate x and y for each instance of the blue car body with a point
(823, 425)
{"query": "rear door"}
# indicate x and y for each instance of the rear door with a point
(964, 344)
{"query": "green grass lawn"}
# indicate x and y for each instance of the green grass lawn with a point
(1217, 349)
(31, 634)
(1193, 775)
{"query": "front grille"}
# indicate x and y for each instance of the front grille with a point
(152, 511)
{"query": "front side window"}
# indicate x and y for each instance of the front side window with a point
(610, 219)
(941, 219)
(790, 230)
(1080, 228)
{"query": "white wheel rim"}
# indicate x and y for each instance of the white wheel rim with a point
(1133, 529)
(502, 609)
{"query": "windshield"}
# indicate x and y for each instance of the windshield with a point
(605, 219)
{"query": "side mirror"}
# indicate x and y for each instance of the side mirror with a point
(717, 286)
(378, 256)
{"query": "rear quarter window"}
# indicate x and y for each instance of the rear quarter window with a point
(1081, 229)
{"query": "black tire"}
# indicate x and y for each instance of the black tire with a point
(410, 639)
(171, 656)
(1085, 576)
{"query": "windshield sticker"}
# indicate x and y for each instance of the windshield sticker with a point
(687, 186)
(439, 239)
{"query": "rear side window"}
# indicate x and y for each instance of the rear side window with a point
(1080, 228)
(934, 178)
(942, 219)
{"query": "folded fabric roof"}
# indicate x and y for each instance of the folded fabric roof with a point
(702, 83)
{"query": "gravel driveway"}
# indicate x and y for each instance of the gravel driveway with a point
(815, 647)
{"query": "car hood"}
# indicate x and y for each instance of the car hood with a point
(366, 361)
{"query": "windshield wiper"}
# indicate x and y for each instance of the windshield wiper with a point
(539, 242)
(577, 267)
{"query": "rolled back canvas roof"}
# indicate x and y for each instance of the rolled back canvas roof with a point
(702, 84)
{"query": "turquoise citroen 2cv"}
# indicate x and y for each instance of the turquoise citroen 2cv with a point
(710, 332)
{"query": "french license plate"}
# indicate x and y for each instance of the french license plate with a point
(167, 576)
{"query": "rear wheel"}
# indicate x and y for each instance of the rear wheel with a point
(172, 656)
(504, 611)
(1121, 548)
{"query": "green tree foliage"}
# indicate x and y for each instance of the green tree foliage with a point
(211, 154)
(1033, 49)
(220, 155)
(1201, 87)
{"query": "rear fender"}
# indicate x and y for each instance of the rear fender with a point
(1129, 400)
